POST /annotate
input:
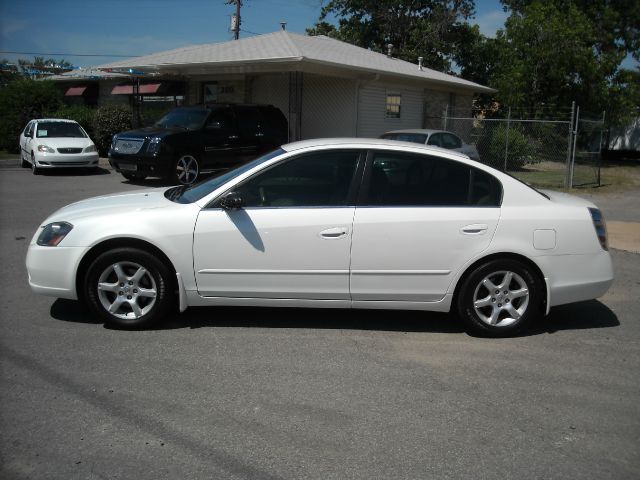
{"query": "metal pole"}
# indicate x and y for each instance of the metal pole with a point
(236, 35)
(575, 139)
(446, 114)
(570, 143)
(600, 147)
(506, 143)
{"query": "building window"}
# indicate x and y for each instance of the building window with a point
(393, 105)
(210, 92)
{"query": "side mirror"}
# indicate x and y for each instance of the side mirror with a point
(28, 135)
(232, 201)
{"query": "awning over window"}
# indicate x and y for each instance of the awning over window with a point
(145, 89)
(75, 91)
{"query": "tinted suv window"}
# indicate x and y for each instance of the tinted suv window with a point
(316, 179)
(248, 119)
(420, 180)
(220, 118)
(435, 139)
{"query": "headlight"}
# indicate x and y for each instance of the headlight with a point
(44, 148)
(90, 148)
(53, 234)
(154, 145)
(113, 141)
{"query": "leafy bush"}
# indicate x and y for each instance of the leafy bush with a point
(82, 114)
(109, 120)
(491, 147)
(22, 100)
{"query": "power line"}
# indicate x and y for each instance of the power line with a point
(69, 54)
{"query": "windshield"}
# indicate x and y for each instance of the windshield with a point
(184, 194)
(406, 137)
(59, 130)
(186, 118)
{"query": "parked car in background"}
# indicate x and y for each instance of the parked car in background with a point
(340, 223)
(191, 140)
(436, 138)
(52, 142)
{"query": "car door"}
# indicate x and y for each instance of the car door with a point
(220, 139)
(292, 239)
(250, 131)
(25, 139)
(419, 220)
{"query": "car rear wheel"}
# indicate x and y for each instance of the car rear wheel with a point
(129, 288)
(500, 298)
(186, 170)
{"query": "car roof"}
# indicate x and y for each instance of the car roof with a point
(62, 120)
(369, 143)
(427, 131)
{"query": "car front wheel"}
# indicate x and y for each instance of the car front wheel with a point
(500, 298)
(129, 288)
(186, 170)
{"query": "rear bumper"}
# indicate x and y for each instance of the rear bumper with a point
(575, 278)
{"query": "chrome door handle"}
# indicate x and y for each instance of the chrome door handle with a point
(333, 233)
(475, 229)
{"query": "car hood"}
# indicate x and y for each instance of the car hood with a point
(116, 203)
(148, 132)
(64, 142)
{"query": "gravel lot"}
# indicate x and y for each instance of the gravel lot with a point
(318, 394)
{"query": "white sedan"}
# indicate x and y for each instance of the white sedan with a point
(52, 142)
(344, 223)
(436, 138)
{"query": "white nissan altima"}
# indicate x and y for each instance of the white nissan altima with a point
(345, 223)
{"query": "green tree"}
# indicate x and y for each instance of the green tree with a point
(419, 28)
(22, 100)
(558, 51)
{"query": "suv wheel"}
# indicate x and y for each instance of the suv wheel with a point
(186, 170)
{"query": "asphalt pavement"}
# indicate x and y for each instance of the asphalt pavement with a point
(246, 393)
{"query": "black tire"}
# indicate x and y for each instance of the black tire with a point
(492, 312)
(34, 169)
(134, 177)
(186, 170)
(131, 275)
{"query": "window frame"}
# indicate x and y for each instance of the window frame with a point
(352, 191)
(363, 194)
(389, 105)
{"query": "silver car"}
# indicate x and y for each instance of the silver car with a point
(437, 138)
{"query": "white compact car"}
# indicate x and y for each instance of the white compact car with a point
(436, 138)
(50, 142)
(346, 223)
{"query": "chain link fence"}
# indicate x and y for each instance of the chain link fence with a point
(556, 151)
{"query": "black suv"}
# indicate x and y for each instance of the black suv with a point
(192, 140)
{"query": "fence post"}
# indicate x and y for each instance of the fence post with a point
(569, 145)
(446, 115)
(600, 146)
(573, 153)
(506, 143)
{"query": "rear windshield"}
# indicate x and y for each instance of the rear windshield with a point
(59, 130)
(185, 118)
(406, 137)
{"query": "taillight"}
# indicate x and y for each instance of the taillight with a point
(600, 226)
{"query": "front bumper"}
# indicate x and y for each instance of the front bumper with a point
(63, 160)
(150, 166)
(52, 270)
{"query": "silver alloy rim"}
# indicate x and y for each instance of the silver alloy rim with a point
(501, 298)
(187, 169)
(127, 290)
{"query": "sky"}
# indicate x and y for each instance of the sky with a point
(95, 32)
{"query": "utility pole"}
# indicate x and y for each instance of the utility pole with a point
(235, 21)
